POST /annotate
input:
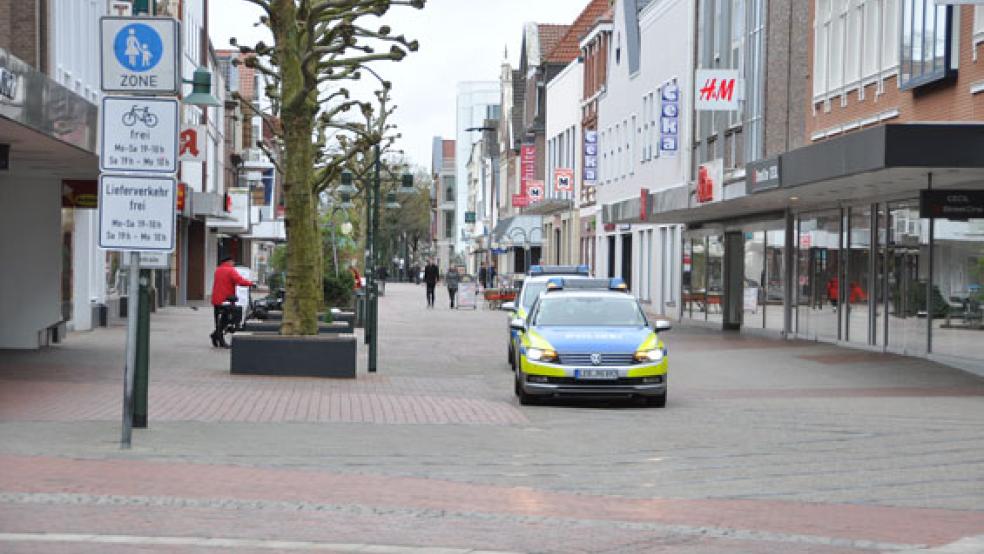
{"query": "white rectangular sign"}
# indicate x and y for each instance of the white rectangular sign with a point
(151, 260)
(717, 89)
(139, 134)
(139, 55)
(136, 213)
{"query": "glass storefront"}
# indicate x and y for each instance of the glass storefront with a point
(818, 275)
(860, 274)
(957, 293)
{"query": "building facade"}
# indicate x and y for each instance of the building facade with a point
(641, 146)
(444, 193)
(476, 102)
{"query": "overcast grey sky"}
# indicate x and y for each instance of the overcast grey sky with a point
(460, 40)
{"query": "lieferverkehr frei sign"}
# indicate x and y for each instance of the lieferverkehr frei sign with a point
(139, 55)
(139, 134)
(136, 212)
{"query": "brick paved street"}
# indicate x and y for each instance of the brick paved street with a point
(765, 446)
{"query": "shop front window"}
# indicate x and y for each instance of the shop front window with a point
(695, 278)
(753, 298)
(774, 296)
(857, 286)
(957, 305)
(818, 282)
(715, 278)
(907, 256)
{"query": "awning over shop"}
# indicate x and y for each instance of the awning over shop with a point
(519, 229)
(549, 206)
(51, 131)
(888, 161)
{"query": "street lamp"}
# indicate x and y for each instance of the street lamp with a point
(373, 201)
(201, 90)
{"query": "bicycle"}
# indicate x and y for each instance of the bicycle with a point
(142, 115)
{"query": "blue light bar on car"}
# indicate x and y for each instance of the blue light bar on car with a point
(555, 284)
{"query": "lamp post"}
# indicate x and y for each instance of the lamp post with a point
(138, 324)
(373, 201)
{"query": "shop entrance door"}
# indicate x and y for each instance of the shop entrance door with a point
(734, 279)
(627, 259)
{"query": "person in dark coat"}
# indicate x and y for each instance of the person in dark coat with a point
(451, 279)
(483, 274)
(431, 275)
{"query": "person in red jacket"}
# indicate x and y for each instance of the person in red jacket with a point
(224, 285)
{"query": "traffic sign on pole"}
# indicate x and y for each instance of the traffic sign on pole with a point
(136, 213)
(139, 55)
(139, 134)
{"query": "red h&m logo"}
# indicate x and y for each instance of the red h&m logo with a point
(715, 89)
(705, 185)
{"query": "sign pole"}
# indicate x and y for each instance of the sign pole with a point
(132, 305)
(141, 369)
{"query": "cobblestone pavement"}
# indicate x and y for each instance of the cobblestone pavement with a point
(765, 446)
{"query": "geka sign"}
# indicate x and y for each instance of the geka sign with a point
(717, 89)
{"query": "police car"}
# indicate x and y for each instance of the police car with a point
(589, 342)
(533, 285)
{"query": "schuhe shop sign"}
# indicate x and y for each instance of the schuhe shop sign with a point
(952, 204)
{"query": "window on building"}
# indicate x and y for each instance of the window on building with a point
(925, 40)
(633, 142)
(449, 225)
(855, 44)
(978, 23)
(449, 186)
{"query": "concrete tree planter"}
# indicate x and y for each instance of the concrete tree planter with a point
(304, 356)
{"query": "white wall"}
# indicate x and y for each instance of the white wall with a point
(563, 127)
(31, 248)
(75, 51)
(666, 53)
(88, 269)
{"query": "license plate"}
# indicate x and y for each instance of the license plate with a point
(596, 374)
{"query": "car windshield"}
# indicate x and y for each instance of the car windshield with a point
(590, 311)
(530, 292)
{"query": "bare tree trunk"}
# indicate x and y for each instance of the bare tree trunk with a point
(303, 290)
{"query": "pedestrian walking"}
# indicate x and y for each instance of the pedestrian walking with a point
(451, 279)
(483, 274)
(431, 274)
(491, 277)
(224, 285)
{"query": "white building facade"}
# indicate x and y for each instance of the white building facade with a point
(477, 101)
(564, 140)
(642, 144)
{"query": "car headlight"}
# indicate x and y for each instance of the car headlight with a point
(649, 356)
(541, 355)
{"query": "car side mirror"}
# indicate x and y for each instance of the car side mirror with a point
(517, 324)
(662, 325)
(509, 306)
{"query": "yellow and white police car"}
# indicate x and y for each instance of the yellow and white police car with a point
(589, 343)
(535, 283)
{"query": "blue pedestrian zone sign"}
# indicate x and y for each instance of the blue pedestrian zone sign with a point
(138, 47)
(140, 55)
